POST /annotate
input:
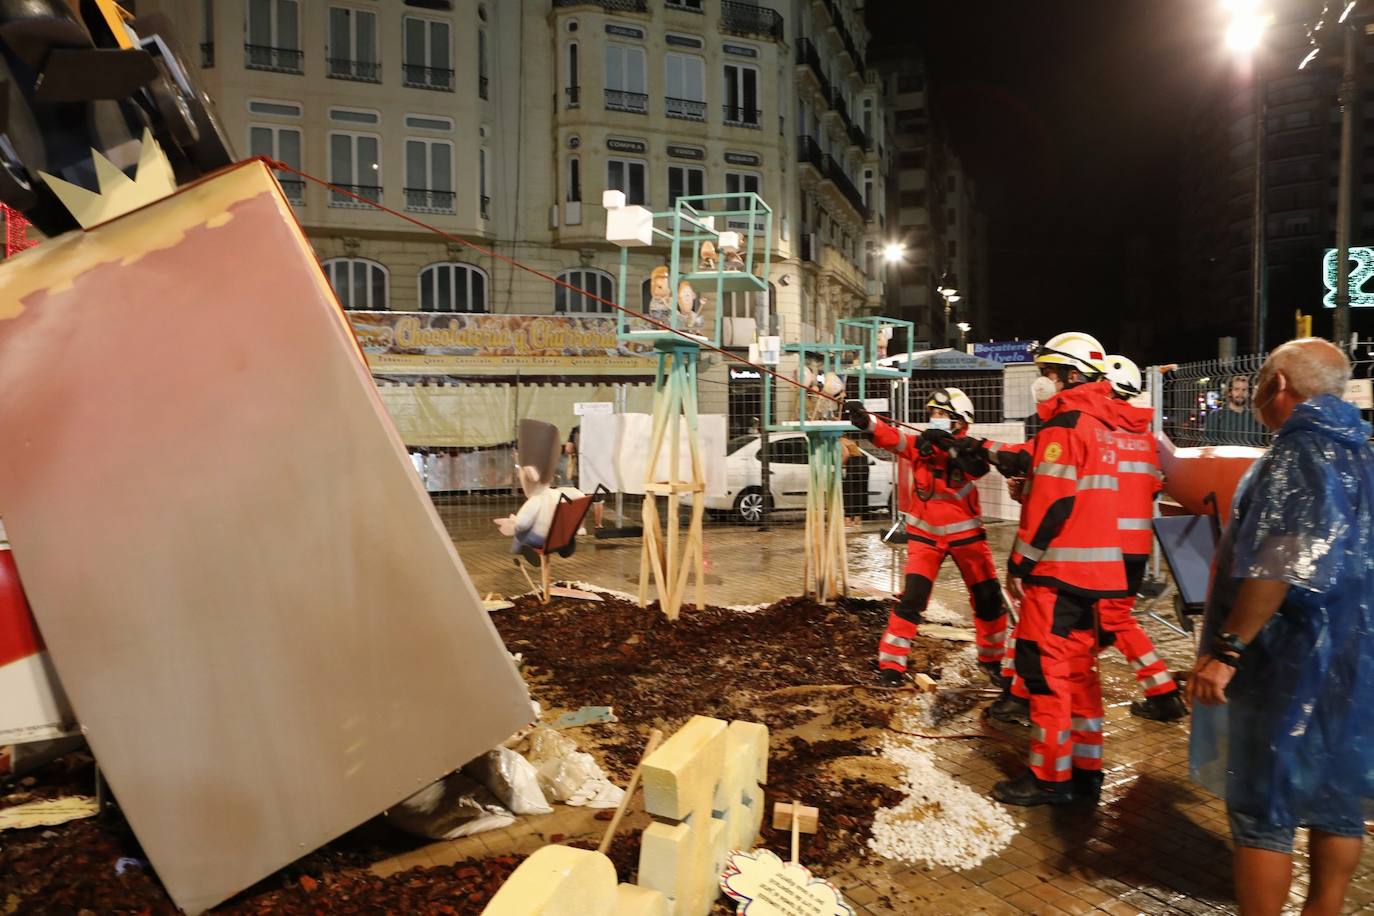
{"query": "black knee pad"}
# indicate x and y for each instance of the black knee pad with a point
(1028, 667)
(914, 598)
(987, 600)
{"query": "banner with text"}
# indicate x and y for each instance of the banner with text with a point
(430, 342)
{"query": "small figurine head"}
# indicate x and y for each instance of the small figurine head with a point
(658, 282)
(708, 252)
(686, 298)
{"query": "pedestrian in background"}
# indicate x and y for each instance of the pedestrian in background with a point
(1283, 723)
(1232, 423)
(854, 480)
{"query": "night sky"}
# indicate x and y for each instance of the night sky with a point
(1069, 115)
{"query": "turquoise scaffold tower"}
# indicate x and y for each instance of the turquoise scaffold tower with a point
(715, 244)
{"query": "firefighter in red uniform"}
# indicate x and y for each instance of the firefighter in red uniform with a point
(1066, 559)
(1141, 481)
(943, 518)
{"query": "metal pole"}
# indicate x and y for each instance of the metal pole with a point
(1341, 325)
(1259, 311)
(763, 323)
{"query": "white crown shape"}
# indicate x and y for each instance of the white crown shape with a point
(118, 194)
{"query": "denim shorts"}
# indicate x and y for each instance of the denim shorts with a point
(1248, 830)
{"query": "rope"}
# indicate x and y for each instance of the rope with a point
(283, 167)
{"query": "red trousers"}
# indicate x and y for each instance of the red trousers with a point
(1056, 667)
(1120, 628)
(924, 557)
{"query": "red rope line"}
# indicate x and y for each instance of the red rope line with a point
(283, 167)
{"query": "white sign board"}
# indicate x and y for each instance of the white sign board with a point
(587, 408)
(1360, 392)
(614, 452)
(876, 405)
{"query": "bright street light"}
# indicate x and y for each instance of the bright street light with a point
(964, 327)
(1246, 31)
(893, 252)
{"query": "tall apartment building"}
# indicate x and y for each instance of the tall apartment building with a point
(1301, 149)
(935, 215)
(503, 122)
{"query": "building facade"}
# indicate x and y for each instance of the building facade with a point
(501, 123)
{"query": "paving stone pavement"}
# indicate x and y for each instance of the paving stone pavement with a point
(1155, 844)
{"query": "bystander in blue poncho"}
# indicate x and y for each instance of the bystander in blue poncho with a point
(1294, 744)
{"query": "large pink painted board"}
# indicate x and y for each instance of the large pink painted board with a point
(259, 618)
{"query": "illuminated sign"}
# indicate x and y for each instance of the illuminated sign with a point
(1361, 272)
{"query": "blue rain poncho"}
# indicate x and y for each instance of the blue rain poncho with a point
(1294, 744)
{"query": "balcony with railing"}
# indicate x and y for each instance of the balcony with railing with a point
(370, 191)
(293, 188)
(684, 109)
(739, 116)
(834, 173)
(276, 60)
(748, 19)
(837, 105)
(415, 76)
(574, 96)
(620, 100)
(611, 6)
(810, 58)
(809, 153)
(846, 38)
(360, 71)
(428, 200)
(857, 137)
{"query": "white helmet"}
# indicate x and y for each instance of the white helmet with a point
(953, 401)
(1075, 350)
(1124, 376)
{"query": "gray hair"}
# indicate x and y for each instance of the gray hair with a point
(1313, 366)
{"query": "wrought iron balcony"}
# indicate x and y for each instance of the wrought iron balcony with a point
(429, 200)
(439, 79)
(809, 153)
(207, 55)
(614, 6)
(748, 19)
(857, 137)
(370, 191)
(845, 37)
(809, 57)
(685, 109)
(690, 6)
(574, 94)
(834, 173)
(737, 116)
(361, 71)
(293, 188)
(839, 107)
(619, 100)
(277, 60)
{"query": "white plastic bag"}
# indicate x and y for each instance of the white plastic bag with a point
(569, 775)
(512, 779)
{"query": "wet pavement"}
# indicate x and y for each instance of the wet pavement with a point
(1155, 844)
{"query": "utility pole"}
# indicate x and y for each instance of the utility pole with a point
(1348, 100)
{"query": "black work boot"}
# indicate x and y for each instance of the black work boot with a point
(891, 677)
(1011, 709)
(1027, 790)
(994, 672)
(1087, 785)
(1164, 707)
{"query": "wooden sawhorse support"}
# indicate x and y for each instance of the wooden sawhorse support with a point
(665, 558)
(825, 565)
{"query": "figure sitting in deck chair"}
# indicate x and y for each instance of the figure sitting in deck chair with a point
(533, 527)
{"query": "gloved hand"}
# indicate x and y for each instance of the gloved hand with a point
(855, 413)
(940, 438)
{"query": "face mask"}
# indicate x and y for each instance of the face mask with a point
(941, 423)
(1043, 388)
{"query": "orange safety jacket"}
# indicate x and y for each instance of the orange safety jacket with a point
(1137, 466)
(1069, 535)
(938, 501)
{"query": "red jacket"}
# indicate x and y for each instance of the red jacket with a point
(939, 502)
(1069, 534)
(1137, 466)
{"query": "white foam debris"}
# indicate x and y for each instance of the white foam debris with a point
(938, 612)
(600, 589)
(941, 821)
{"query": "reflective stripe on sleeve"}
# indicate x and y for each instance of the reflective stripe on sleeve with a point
(1082, 554)
(1062, 471)
(1026, 550)
(1133, 524)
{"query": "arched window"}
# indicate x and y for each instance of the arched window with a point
(450, 287)
(596, 282)
(359, 283)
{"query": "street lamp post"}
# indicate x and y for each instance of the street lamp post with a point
(1244, 36)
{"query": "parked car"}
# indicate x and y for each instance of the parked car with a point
(788, 477)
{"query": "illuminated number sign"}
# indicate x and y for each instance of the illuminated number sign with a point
(1360, 273)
